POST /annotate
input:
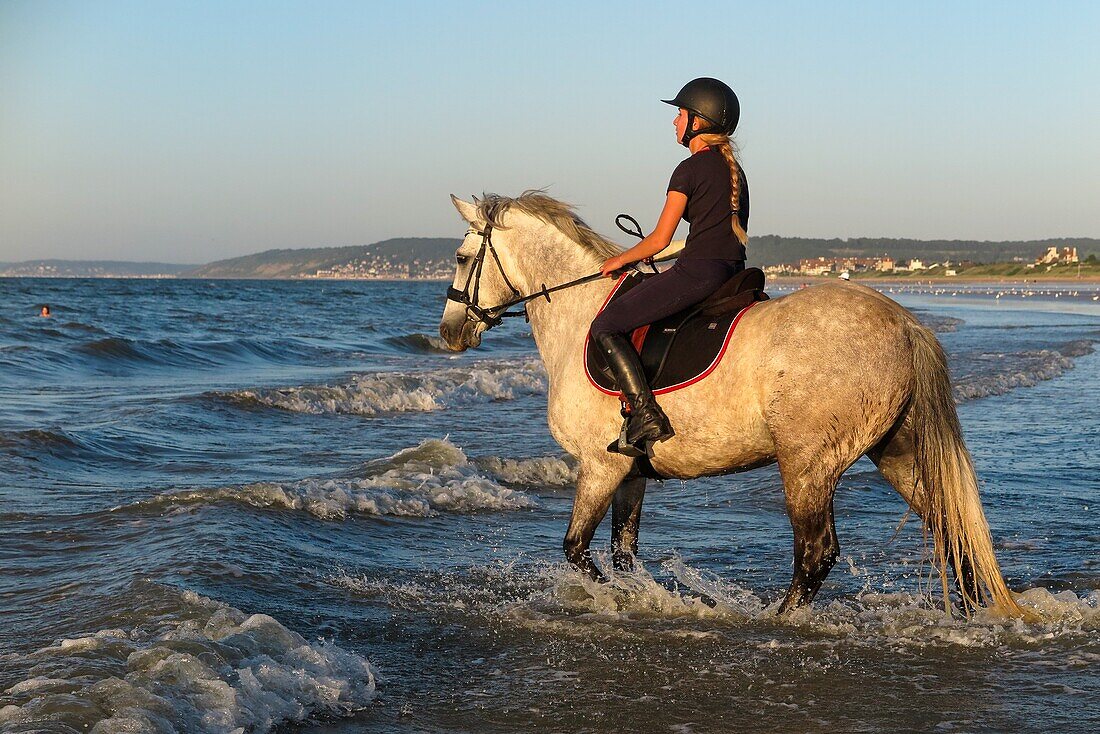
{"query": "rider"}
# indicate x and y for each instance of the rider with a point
(709, 190)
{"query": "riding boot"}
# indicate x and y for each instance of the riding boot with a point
(647, 421)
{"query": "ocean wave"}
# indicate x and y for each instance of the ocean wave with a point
(939, 323)
(118, 353)
(423, 481)
(419, 344)
(396, 392)
(206, 669)
(77, 447)
(997, 373)
(78, 326)
(547, 471)
(38, 439)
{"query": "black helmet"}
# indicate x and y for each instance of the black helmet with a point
(710, 99)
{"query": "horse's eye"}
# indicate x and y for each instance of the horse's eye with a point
(461, 259)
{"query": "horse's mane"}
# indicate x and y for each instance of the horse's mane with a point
(537, 203)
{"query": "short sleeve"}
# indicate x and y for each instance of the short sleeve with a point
(682, 178)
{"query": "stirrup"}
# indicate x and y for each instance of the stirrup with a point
(621, 446)
(628, 449)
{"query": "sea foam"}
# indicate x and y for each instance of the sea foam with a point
(680, 600)
(219, 671)
(395, 392)
(431, 478)
(997, 373)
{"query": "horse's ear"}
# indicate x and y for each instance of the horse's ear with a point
(466, 209)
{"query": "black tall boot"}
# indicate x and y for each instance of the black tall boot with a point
(647, 421)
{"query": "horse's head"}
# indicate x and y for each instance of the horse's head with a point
(480, 281)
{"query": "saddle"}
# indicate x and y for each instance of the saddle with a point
(681, 349)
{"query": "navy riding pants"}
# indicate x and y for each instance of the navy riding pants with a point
(686, 283)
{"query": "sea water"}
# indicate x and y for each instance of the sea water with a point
(241, 506)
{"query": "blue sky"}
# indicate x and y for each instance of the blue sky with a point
(191, 131)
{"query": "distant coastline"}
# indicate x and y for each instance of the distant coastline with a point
(939, 279)
(422, 258)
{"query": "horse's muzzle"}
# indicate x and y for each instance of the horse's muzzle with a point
(460, 335)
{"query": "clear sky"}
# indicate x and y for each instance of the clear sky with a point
(193, 131)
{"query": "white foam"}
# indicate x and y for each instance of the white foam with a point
(867, 618)
(431, 478)
(572, 601)
(218, 672)
(393, 392)
(683, 601)
(1024, 369)
(542, 470)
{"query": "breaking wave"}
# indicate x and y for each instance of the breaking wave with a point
(206, 669)
(997, 373)
(426, 480)
(394, 392)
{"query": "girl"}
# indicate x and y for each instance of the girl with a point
(708, 190)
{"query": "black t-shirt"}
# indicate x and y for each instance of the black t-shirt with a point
(705, 178)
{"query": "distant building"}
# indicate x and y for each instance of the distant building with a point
(827, 265)
(815, 266)
(1054, 256)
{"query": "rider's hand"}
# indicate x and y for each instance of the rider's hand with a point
(611, 264)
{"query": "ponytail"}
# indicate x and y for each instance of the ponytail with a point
(726, 147)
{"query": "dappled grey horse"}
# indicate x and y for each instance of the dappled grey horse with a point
(813, 380)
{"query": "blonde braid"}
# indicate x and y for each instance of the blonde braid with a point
(726, 147)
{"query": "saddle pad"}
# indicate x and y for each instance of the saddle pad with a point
(676, 351)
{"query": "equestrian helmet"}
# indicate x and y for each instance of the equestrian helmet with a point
(712, 100)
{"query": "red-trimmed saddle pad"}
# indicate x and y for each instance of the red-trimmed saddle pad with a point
(681, 349)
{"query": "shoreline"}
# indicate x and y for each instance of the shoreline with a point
(778, 279)
(942, 280)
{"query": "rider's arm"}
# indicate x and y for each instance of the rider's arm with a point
(658, 239)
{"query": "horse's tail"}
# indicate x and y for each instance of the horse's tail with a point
(952, 508)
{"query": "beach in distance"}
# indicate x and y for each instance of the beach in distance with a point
(284, 506)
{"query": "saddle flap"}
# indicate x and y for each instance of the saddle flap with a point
(682, 348)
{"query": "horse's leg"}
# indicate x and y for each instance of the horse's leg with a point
(809, 492)
(596, 485)
(626, 514)
(896, 459)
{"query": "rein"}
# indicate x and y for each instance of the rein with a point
(494, 315)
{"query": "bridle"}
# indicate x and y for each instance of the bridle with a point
(474, 311)
(494, 315)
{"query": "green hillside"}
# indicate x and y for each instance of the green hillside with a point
(427, 257)
(405, 256)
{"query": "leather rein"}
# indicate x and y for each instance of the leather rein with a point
(494, 315)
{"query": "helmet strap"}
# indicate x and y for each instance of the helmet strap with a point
(691, 132)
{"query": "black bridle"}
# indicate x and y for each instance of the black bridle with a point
(493, 315)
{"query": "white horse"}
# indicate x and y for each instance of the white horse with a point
(813, 380)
